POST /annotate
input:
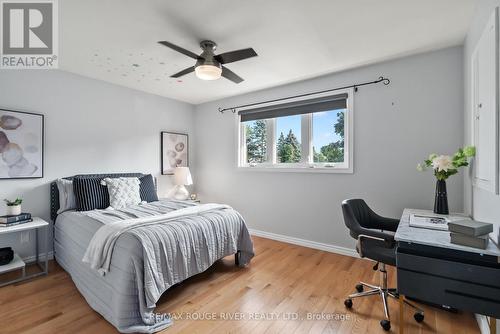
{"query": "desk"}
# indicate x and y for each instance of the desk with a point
(432, 269)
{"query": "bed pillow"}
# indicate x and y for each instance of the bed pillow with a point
(123, 191)
(67, 200)
(90, 194)
(148, 189)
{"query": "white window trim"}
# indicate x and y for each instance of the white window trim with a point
(347, 167)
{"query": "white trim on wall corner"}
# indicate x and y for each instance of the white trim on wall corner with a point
(305, 243)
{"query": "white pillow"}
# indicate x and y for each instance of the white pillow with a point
(67, 200)
(123, 191)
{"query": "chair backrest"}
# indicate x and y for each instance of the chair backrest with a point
(357, 214)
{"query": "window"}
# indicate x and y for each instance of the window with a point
(255, 141)
(313, 134)
(288, 132)
(328, 136)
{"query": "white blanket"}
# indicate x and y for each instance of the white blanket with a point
(100, 249)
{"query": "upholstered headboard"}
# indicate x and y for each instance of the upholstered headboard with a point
(54, 192)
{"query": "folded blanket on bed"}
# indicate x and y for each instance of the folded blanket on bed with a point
(100, 249)
(176, 244)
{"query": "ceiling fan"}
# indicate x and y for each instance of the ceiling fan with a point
(209, 66)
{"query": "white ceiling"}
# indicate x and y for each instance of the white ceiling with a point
(116, 40)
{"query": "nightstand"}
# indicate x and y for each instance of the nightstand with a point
(17, 263)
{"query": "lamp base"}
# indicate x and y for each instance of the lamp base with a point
(178, 192)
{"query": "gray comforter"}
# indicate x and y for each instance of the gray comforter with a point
(147, 259)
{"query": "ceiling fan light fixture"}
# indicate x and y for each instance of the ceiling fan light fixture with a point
(208, 72)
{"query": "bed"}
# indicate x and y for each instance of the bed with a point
(147, 257)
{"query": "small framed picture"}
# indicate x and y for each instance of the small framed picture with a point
(21, 145)
(174, 151)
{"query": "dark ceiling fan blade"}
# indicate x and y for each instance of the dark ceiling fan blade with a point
(179, 49)
(228, 74)
(183, 72)
(232, 56)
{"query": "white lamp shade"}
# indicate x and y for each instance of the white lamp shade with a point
(182, 176)
(208, 72)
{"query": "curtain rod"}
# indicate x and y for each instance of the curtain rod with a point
(382, 79)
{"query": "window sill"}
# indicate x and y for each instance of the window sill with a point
(295, 169)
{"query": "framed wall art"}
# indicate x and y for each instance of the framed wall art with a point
(174, 151)
(21, 144)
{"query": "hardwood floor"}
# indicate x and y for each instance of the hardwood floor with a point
(282, 280)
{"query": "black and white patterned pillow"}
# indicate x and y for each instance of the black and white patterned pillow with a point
(123, 191)
(90, 194)
(148, 189)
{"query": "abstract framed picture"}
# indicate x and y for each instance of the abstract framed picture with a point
(21, 144)
(174, 151)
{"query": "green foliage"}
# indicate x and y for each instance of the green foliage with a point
(256, 140)
(288, 148)
(17, 201)
(459, 159)
(333, 152)
(318, 156)
(339, 127)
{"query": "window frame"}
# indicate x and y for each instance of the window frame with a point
(306, 164)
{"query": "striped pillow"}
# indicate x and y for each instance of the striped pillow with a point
(90, 194)
(148, 189)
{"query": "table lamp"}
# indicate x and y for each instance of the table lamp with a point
(182, 178)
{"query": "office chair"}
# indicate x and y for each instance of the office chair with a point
(375, 240)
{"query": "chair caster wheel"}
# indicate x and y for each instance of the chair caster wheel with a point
(348, 303)
(359, 288)
(419, 317)
(386, 324)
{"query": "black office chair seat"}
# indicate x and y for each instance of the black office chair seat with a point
(375, 240)
(378, 251)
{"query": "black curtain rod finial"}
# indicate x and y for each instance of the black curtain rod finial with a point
(385, 81)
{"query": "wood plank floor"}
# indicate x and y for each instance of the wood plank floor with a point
(282, 280)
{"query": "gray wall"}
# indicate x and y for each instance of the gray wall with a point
(481, 204)
(395, 127)
(90, 127)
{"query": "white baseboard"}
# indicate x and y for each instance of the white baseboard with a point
(41, 257)
(306, 243)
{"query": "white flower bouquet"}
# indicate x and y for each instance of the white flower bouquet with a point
(445, 166)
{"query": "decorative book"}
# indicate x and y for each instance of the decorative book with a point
(471, 228)
(16, 218)
(429, 222)
(465, 240)
(18, 222)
